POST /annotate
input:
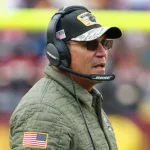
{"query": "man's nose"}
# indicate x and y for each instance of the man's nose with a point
(100, 51)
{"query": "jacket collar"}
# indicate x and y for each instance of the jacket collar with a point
(82, 94)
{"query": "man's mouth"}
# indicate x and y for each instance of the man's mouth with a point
(101, 65)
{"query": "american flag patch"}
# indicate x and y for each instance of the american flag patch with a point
(61, 34)
(35, 139)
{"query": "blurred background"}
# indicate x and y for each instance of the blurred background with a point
(22, 62)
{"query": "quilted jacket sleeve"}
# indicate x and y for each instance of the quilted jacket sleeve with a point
(41, 119)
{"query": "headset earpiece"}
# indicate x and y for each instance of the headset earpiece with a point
(52, 54)
(58, 54)
(64, 53)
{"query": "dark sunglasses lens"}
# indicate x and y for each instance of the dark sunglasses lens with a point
(92, 45)
(107, 44)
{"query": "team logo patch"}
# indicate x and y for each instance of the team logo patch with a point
(35, 139)
(87, 19)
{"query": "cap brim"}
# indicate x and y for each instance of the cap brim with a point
(110, 32)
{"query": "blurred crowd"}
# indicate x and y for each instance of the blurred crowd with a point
(22, 62)
(94, 4)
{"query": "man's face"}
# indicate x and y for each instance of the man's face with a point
(88, 61)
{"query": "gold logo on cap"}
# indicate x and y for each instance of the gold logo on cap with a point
(87, 19)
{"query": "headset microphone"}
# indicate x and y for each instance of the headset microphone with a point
(90, 76)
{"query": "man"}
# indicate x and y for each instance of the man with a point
(63, 110)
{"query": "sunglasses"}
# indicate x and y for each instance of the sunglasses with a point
(93, 45)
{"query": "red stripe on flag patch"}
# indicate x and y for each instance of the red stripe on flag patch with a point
(35, 139)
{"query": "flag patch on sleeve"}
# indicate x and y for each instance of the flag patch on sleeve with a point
(35, 139)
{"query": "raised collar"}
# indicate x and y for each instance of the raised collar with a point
(82, 94)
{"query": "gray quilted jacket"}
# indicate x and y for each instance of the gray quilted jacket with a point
(48, 117)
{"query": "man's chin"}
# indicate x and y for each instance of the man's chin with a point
(99, 72)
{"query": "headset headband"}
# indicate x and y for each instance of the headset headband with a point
(51, 32)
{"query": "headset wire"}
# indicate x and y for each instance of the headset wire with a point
(74, 89)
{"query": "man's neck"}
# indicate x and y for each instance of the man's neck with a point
(85, 83)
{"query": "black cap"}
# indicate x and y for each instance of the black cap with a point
(81, 25)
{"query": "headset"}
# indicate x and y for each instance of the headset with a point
(57, 47)
(57, 50)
